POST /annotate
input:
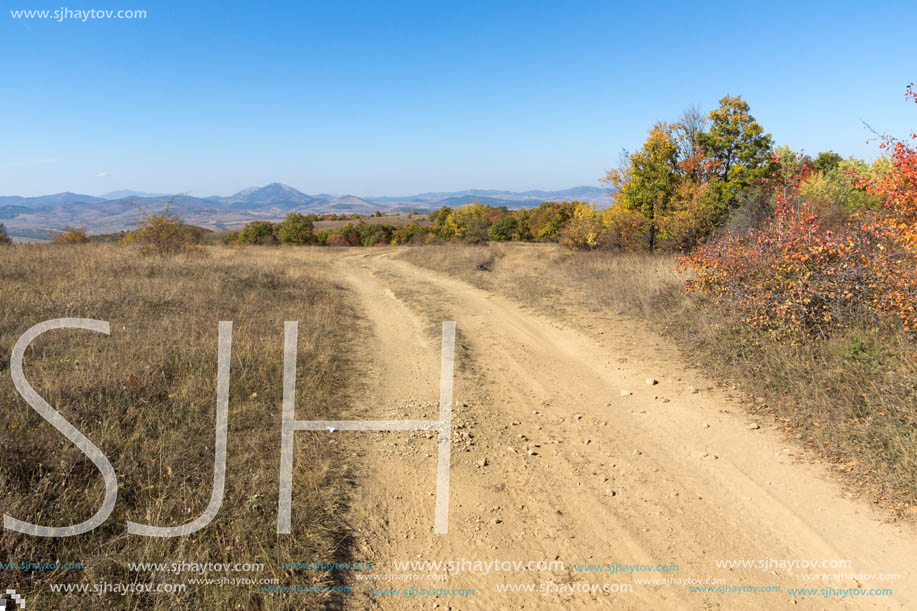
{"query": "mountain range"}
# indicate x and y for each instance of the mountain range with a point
(34, 217)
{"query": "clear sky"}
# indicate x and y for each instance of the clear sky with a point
(390, 98)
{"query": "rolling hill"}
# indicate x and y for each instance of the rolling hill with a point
(34, 217)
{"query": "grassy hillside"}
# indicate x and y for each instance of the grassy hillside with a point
(145, 395)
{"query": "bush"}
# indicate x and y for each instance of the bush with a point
(375, 235)
(505, 229)
(258, 232)
(470, 223)
(584, 231)
(5, 239)
(336, 239)
(409, 234)
(625, 228)
(837, 187)
(546, 222)
(296, 229)
(806, 270)
(350, 235)
(692, 216)
(163, 234)
(70, 235)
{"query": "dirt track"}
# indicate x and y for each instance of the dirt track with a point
(577, 472)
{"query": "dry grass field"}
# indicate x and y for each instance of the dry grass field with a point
(146, 395)
(554, 430)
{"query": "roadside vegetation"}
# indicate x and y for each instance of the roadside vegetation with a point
(794, 278)
(850, 396)
(146, 395)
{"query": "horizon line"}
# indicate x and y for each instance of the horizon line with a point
(189, 193)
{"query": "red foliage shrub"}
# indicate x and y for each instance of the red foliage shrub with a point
(804, 270)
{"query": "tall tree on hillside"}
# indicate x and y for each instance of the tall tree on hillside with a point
(737, 144)
(651, 178)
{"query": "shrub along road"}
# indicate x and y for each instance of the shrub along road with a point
(562, 450)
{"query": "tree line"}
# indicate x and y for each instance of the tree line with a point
(794, 241)
(690, 182)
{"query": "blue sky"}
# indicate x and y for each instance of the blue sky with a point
(389, 98)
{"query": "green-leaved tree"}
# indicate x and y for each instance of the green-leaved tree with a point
(739, 147)
(651, 178)
(295, 230)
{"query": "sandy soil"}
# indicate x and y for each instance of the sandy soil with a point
(551, 461)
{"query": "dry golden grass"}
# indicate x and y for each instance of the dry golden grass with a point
(146, 394)
(851, 398)
(556, 278)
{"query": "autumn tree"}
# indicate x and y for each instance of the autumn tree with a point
(438, 219)
(164, 233)
(296, 229)
(584, 230)
(258, 232)
(545, 223)
(687, 130)
(505, 229)
(807, 269)
(469, 223)
(70, 235)
(651, 178)
(739, 148)
(827, 161)
(692, 215)
(833, 182)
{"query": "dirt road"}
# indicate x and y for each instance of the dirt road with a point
(563, 452)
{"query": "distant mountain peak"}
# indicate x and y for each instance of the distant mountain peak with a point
(277, 190)
(245, 192)
(278, 187)
(129, 193)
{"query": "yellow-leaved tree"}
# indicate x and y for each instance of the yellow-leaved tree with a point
(584, 230)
